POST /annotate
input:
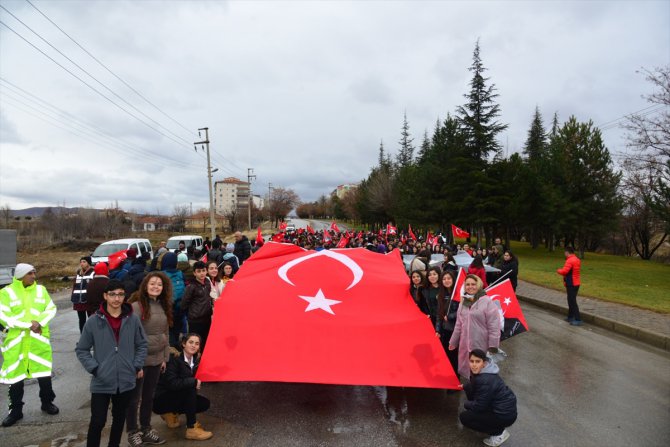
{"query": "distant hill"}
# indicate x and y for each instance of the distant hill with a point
(37, 211)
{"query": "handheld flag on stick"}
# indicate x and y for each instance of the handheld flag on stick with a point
(459, 286)
(259, 237)
(334, 227)
(457, 232)
(342, 243)
(514, 321)
(411, 233)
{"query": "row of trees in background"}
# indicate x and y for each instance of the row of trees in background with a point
(563, 188)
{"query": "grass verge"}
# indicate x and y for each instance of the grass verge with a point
(631, 281)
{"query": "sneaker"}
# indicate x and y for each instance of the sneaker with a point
(197, 433)
(171, 419)
(495, 441)
(576, 322)
(150, 436)
(50, 408)
(135, 438)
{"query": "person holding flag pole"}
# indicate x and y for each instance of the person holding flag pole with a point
(477, 324)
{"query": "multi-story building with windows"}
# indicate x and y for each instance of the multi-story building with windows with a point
(230, 193)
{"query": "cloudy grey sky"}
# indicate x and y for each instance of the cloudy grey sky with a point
(301, 91)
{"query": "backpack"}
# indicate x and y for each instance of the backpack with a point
(178, 287)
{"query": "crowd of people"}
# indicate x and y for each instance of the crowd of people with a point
(469, 331)
(144, 324)
(160, 313)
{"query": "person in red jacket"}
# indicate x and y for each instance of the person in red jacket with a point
(571, 279)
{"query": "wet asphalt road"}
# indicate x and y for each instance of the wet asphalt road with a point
(575, 386)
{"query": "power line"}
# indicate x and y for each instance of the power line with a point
(109, 70)
(220, 160)
(87, 127)
(93, 77)
(89, 85)
(77, 133)
(615, 123)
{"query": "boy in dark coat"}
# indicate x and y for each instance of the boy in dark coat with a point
(491, 405)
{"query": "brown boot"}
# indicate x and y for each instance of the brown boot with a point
(197, 433)
(171, 419)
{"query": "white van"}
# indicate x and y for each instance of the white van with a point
(189, 239)
(101, 254)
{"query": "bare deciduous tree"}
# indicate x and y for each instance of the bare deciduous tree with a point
(649, 138)
(179, 215)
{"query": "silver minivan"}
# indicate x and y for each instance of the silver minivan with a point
(101, 254)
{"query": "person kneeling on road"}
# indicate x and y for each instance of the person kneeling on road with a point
(177, 390)
(491, 405)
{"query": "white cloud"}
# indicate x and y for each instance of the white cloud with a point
(302, 92)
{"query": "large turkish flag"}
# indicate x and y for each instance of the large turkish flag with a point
(333, 316)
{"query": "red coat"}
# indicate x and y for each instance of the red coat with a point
(481, 272)
(570, 271)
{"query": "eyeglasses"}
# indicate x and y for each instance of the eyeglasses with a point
(117, 295)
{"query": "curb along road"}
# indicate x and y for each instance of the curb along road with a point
(644, 335)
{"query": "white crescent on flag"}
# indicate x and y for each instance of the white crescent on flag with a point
(347, 261)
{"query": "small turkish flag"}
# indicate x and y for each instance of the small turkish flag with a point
(282, 225)
(115, 259)
(390, 229)
(333, 226)
(342, 243)
(334, 316)
(514, 321)
(326, 237)
(310, 230)
(411, 233)
(457, 232)
(279, 237)
(204, 258)
(459, 289)
(259, 237)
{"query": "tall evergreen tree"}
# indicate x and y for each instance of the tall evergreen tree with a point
(425, 147)
(536, 143)
(534, 188)
(405, 155)
(478, 115)
(588, 184)
(381, 158)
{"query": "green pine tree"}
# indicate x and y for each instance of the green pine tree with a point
(478, 115)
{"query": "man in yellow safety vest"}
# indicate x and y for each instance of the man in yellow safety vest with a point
(25, 311)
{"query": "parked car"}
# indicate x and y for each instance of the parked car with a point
(7, 256)
(101, 254)
(189, 239)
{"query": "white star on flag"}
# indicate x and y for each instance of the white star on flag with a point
(319, 301)
(507, 301)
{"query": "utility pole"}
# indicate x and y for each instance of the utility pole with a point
(268, 205)
(205, 142)
(250, 177)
